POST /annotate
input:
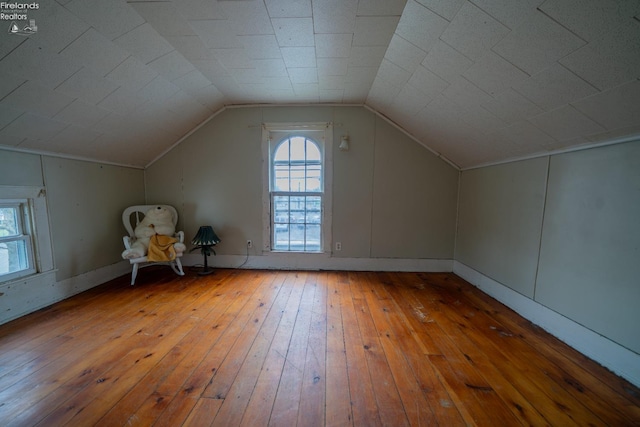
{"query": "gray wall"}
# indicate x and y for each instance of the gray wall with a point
(391, 197)
(84, 201)
(569, 240)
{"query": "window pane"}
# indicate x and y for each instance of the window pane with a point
(281, 238)
(9, 222)
(13, 256)
(313, 153)
(313, 238)
(298, 148)
(282, 153)
(314, 210)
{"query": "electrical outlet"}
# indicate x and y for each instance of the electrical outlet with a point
(338, 246)
(249, 244)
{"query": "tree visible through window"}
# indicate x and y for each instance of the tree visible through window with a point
(297, 195)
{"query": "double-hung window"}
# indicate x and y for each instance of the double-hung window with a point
(16, 247)
(297, 184)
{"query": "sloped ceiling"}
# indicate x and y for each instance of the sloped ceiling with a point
(477, 81)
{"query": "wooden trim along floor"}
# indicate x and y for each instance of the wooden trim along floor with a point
(252, 348)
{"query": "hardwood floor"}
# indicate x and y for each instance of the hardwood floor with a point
(254, 348)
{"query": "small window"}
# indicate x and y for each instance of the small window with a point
(16, 249)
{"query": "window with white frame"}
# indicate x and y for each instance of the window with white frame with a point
(297, 189)
(16, 246)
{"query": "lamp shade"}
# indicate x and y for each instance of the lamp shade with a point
(205, 237)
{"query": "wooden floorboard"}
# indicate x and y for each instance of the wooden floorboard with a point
(275, 348)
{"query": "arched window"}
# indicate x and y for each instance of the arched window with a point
(296, 194)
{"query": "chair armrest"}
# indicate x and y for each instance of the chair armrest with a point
(127, 242)
(180, 236)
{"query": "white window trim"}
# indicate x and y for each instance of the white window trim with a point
(23, 209)
(327, 143)
(37, 224)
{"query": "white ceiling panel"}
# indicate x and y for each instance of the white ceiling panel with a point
(71, 138)
(476, 80)
(295, 57)
(404, 54)
(248, 17)
(446, 62)
(615, 108)
(366, 56)
(32, 126)
(85, 48)
(427, 82)
(482, 119)
(510, 106)
(494, 75)
(590, 19)
(294, 31)
(158, 90)
(36, 99)
(464, 93)
(172, 65)
(164, 17)
(611, 60)
(261, 46)
(192, 82)
(132, 74)
(421, 26)
(334, 16)
(112, 18)
(217, 33)
(554, 86)
(393, 74)
(270, 67)
(409, 101)
(537, 44)
(333, 45)
(62, 26)
(472, 32)
(380, 7)
(81, 114)
(8, 114)
(566, 123)
(144, 43)
(446, 9)
(30, 61)
(303, 75)
(122, 100)
(332, 66)
(374, 30)
(525, 134)
(191, 47)
(232, 58)
(9, 83)
(289, 8)
(200, 9)
(510, 13)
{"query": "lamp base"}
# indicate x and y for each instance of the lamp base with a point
(205, 272)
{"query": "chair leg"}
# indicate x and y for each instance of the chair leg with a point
(176, 265)
(134, 273)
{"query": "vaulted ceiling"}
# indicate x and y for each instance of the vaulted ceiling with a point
(477, 81)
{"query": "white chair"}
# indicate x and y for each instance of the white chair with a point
(131, 217)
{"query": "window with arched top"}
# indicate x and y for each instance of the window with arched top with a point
(296, 189)
(297, 195)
